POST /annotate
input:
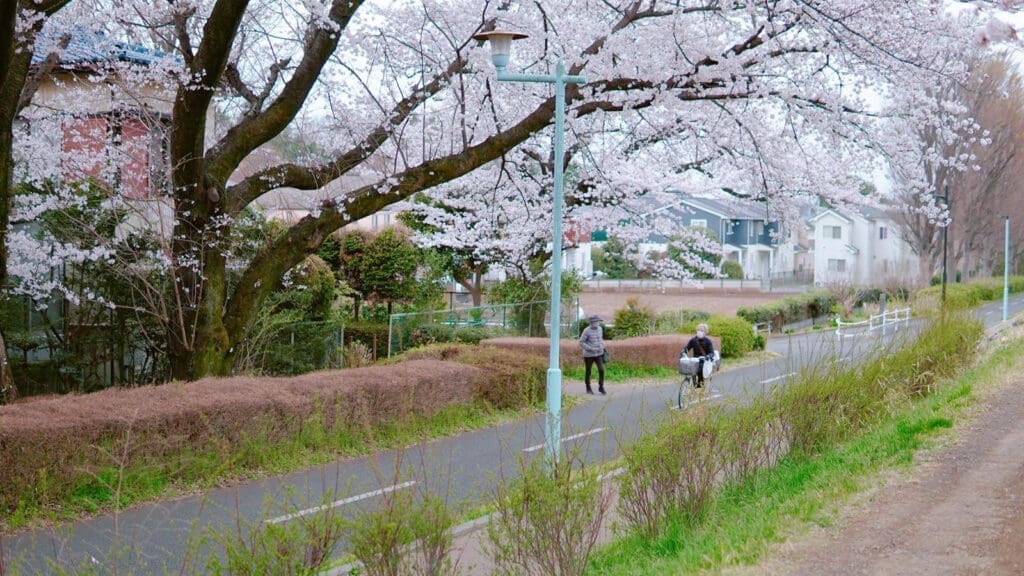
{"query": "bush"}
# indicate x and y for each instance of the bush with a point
(370, 334)
(547, 521)
(736, 334)
(510, 379)
(606, 329)
(760, 342)
(634, 319)
(812, 304)
(441, 333)
(670, 472)
(673, 321)
(732, 270)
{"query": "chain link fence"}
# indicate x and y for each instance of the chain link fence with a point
(290, 348)
(473, 324)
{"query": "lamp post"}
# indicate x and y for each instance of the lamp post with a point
(501, 46)
(945, 235)
(1006, 269)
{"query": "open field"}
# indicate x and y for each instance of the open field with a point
(712, 300)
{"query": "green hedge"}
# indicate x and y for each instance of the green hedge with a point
(736, 334)
(790, 309)
(964, 296)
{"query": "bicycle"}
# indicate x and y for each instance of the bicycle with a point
(688, 368)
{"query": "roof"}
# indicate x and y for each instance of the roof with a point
(731, 209)
(822, 214)
(863, 212)
(90, 47)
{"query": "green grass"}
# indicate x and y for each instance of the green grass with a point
(618, 372)
(748, 517)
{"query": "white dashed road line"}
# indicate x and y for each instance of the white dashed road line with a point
(338, 503)
(567, 439)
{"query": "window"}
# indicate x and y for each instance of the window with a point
(883, 232)
(702, 223)
(833, 232)
(835, 265)
(758, 228)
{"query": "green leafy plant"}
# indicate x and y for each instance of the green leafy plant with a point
(634, 319)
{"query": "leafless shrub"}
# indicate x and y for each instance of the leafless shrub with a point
(674, 470)
(548, 520)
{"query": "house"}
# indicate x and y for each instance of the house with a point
(860, 247)
(85, 121)
(746, 233)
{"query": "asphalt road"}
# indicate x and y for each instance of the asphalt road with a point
(168, 536)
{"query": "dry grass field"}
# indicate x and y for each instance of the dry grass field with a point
(712, 300)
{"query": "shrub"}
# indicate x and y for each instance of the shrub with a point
(370, 334)
(812, 304)
(607, 330)
(440, 333)
(732, 270)
(671, 471)
(634, 319)
(760, 342)
(381, 538)
(736, 334)
(673, 321)
(509, 379)
(547, 521)
(301, 546)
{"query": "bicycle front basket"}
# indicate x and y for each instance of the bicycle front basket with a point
(688, 366)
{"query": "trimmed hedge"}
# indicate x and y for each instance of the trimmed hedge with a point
(47, 444)
(643, 351)
(508, 379)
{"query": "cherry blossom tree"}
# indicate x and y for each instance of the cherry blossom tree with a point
(20, 22)
(763, 99)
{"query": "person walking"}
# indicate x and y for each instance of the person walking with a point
(592, 343)
(703, 348)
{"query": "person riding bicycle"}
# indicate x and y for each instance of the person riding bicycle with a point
(702, 348)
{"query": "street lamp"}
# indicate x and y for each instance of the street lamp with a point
(945, 235)
(501, 47)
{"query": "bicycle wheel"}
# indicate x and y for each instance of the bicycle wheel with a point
(684, 388)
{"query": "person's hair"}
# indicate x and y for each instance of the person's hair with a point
(702, 326)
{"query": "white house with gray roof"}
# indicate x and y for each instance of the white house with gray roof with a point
(862, 248)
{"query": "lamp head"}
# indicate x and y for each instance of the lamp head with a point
(501, 45)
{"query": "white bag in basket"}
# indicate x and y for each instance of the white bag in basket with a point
(688, 366)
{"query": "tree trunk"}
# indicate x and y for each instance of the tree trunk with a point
(8, 393)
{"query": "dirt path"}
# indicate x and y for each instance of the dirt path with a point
(960, 512)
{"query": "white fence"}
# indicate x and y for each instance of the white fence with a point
(884, 321)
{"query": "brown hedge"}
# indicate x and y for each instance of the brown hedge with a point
(61, 437)
(510, 378)
(642, 351)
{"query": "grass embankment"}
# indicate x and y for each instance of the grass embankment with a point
(190, 471)
(748, 515)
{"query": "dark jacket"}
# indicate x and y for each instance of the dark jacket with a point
(700, 346)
